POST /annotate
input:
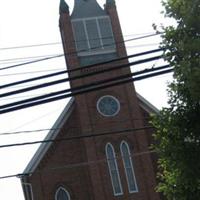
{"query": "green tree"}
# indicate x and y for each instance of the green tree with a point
(178, 126)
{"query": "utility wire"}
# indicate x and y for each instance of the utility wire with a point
(75, 52)
(142, 45)
(47, 129)
(97, 83)
(31, 62)
(20, 175)
(25, 58)
(80, 68)
(78, 76)
(31, 131)
(24, 96)
(29, 46)
(30, 72)
(56, 43)
(116, 132)
(90, 89)
(19, 59)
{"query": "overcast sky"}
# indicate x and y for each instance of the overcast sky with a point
(30, 22)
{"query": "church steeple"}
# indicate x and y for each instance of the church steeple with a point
(87, 8)
(110, 3)
(64, 8)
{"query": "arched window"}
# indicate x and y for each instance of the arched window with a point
(113, 169)
(128, 167)
(62, 194)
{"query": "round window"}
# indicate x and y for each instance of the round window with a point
(108, 106)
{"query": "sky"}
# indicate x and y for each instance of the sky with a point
(35, 22)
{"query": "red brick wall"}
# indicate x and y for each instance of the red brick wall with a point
(87, 176)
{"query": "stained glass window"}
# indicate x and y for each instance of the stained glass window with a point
(128, 167)
(62, 194)
(113, 169)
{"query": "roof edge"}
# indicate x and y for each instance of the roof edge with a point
(147, 106)
(43, 148)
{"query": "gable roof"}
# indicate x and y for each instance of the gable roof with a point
(62, 119)
(64, 116)
(146, 105)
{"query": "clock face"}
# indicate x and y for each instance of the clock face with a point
(108, 106)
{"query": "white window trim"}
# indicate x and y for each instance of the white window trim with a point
(31, 189)
(101, 48)
(99, 33)
(130, 191)
(117, 169)
(86, 34)
(88, 18)
(62, 188)
(95, 52)
(117, 101)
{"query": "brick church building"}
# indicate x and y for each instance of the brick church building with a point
(108, 156)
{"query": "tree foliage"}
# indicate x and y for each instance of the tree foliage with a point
(178, 126)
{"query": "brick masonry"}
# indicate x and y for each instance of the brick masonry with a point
(80, 165)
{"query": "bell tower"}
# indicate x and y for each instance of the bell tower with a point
(95, 166)
(93, 35)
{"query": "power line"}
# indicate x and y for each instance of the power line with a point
(78, 76)
(80, 68)
(47, 129)
(56, 43)
(84, 86)
(29, 72)
(29, 46)
(13, 60)
(90, 89)
(75, 52)
(9, 60)
(20, 175)
(142, 45)
(116, 132)
(142, 37)
(24, 96)
(40, 71)
(31, 62)
(30, 131)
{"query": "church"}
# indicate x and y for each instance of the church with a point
(105, 152)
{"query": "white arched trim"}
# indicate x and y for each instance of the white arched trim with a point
(62, 194)
(113, 170)
(128, 167)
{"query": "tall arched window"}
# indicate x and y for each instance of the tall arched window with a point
(128, 167)
(62, 194)
(113, 169)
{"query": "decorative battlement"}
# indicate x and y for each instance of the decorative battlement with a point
(87, 8)
(64, 8)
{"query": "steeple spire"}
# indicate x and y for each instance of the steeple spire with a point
(87, 8)
(64, 8)
(109, 3)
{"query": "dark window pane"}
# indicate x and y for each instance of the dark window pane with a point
(113, 168)
(131, 179)
(80, 35)
(116, 183)
(126, 156)
(62, 195)
(93, 35)
(128, 167)
(106, 32)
